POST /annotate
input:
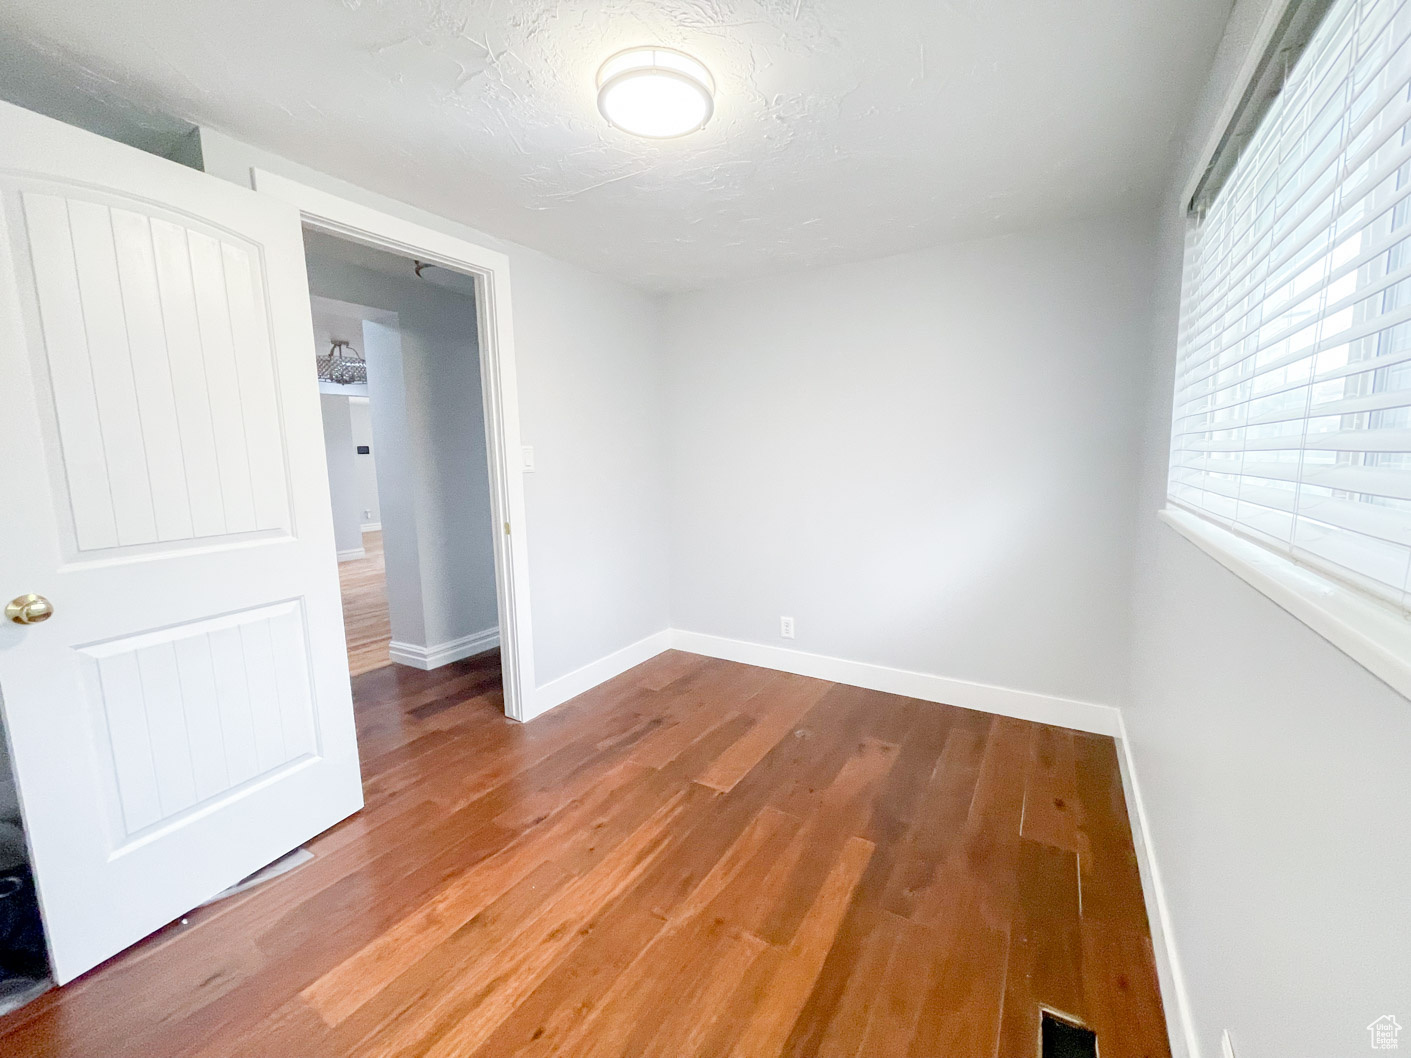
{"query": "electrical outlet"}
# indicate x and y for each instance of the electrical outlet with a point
(1227, 1046)
(367, 514)
(786, 627)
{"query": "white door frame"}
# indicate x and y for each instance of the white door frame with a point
(339, 216)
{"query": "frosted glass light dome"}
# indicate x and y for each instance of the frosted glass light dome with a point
(655, 92)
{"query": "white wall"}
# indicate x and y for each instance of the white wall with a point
(1273, 769)
(342, 473)
(591, 397)
(369, 506)
(396, 441)
(924, 459)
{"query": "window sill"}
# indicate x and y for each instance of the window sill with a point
(1368, 631)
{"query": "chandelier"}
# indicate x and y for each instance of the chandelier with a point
(343, 365)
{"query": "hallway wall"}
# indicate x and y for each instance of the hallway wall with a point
(443, 446)
(369, 505)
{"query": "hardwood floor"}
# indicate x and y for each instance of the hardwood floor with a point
(697, 858)
(363, 582)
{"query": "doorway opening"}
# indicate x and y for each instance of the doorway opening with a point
(329, 214)
(397, 351)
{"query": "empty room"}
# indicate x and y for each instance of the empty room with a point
(747, 528)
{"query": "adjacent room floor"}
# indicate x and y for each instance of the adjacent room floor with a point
(697, 857)
(363, 582)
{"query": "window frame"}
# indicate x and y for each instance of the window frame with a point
(1371, 630)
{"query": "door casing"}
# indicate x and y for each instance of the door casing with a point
(334, 215)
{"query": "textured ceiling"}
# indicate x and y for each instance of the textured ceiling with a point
(844, 129)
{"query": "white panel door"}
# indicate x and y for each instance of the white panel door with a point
(184, 715)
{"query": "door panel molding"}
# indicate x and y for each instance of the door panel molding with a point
(191, 713)
(164, 427)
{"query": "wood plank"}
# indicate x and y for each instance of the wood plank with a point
(716, 974)
(666, 668)
(1051, 790)
(1121, 991)
(902, 991)
(356, 980)
(1112, 887)
(553, 1014)
(949, 793)
(640, 1003)
(961, 1014)
(896, 810)
(469, 1020)
(850, 1011)
(413, 989)
(1045, 948)
(619, 997)
(843, 809)
(697, 703)
(788, 699)
(799, 964)
(985, 859)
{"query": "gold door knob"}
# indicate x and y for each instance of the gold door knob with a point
(29, 609)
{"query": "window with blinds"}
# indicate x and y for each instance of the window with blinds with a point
(1292, 418)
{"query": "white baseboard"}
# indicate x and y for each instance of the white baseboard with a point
(433, 657)
(1184, 1044)
(1004, 701)
(351, 553)
(372, 527)
(555, 692)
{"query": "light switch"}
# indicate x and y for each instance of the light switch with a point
(529, 459)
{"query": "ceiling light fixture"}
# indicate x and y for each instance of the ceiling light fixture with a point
(655, 92)
(343, 365)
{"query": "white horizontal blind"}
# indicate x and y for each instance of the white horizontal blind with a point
(1292, 418)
